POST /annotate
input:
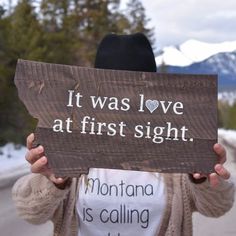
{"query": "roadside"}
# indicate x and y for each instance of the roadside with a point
(12, 225)
(13, 164)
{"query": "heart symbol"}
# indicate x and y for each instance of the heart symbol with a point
(152, 105)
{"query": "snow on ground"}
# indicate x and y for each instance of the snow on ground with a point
(228, 139)
(227, 97)
(12, 156)
(13, 163)
(229, 136)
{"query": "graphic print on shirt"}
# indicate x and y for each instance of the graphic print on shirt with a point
(120, 203)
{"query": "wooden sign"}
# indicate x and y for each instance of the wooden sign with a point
(120, 119)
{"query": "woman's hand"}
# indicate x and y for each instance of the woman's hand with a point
(220, 170)
(39, 163)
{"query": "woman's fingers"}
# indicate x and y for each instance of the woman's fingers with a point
(29, 141)
(39, 162)
(222, 171)
(221, 152)
(57, 180)
(214, 179)
(40, 165)
(34, 154)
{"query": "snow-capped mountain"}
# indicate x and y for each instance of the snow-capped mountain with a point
(222, 64)
(195, 57)
(192, 51)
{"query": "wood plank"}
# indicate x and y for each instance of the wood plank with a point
(150, 121)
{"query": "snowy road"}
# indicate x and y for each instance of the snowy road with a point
(223, 226)
(12, 225)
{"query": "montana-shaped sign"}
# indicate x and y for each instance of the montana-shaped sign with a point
(120, 119)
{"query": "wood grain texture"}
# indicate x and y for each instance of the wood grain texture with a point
(43, 88)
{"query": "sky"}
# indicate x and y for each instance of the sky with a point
(176, 21)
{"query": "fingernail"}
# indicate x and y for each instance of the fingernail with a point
(196, 176)
(40, 148)
(218, 167)
(213, 175)
(43, 159)
(60, 180)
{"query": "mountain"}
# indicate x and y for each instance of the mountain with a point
(196, 57)
(223, 64)
(192, 51)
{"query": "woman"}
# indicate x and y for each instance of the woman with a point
(120, 202)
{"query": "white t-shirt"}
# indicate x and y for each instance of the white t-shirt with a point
(120, 203)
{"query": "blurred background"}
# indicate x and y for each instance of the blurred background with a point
(187, 36)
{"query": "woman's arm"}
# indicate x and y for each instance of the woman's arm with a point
(39, 194)
(37, 198)
(211, 201)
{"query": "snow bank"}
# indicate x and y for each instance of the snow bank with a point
(227, 97)
(12, 156)
(13, 163)
(229, 136)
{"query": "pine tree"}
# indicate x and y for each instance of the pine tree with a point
(79, 25)
(231, 124)
(26, 33)
(138, 20)
(99, 18)
(21, 39)
(59, 23)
